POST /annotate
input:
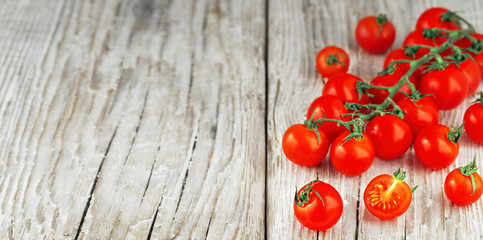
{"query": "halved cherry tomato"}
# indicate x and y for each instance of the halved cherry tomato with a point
(332, 60)
(419, 114)
(334, 108)
(464, 186)
(352, 157)
(388, 197)
(437, 146)
(375, 34)
(391, 136)
(301, 145)
(473, 119)
(449, 87)
(431, 18)
(390, 80)
(344, 86)
(318, 206)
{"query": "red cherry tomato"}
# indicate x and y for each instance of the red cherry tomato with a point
(419, 114)
(332, 60)
(344, 86)
(318, 206)
(391, 136)
(459, 187)
(465, 43)
(473, 119)
(431, 18)
(387, 81)
(334, 108)
(398, 54)
(449, 87)
(388, 197)
(471, 70)
(302, 147)
(434, 149)
(375, 34)
(352, 157)
(416, 38)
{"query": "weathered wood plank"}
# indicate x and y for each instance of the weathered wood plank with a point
(297, 30)
(132, 119)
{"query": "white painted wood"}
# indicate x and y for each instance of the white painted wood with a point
(297, 31)
(132, 119)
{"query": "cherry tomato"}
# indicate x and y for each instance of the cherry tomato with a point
(431, 18)
(344, 86)
(398, 54)
(471, 70)
(449, 87)
(375, 34)
(334, 108)
(352, 157)
(473, 119)
(391, 136)
(332, 60)
(388, 197)
(433, 147)
(416, 38)
(465, 43)
(464, 186)
(318, 206)
(387, 81)
(302, 147)
(419, 114)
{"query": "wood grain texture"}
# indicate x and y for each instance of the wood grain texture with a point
(297, 31)
(132, 119)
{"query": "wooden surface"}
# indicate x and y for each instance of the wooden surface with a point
(126, 119)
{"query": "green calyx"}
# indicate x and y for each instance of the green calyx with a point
(381, 19)
(311, 125)
(400, 176)
(450, 17)
(479, 99)
(454, 134)
(410, 51)
(333, 59)
(303, 197)
(468, 171)
(437, 65)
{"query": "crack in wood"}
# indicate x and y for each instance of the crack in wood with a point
(356, 235)
(266, 119)
(208, 228)
(151, 173)
(191, 81)
(156, 215)
(137, 127)
(88, 204)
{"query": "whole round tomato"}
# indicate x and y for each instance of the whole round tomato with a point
(419, 114)
(390, 135)
(465, 43)
(390, 80)
(332, 60)
(344, 86)
(388, 197)
(352, 157)
(318, 206)
(301, 145)
(433, 147)
(473, 119)
(449, 87)
(416, 38)
(459, 187)
(471, 70)
(375, 34)
(431, 18)
(334, 108)
(398, 54)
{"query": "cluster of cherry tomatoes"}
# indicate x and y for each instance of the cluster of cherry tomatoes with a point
(438, 66)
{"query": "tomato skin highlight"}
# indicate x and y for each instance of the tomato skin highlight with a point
(370, 39)
(433, 148)
(390, 135)
(459, 189)
(327, 70)
(316, 215)
(448, 86)
(301, 146)
(334, 108)
(473, 119)
(431, 18)
(387, 198)
(344, 86)
(418, 117)
(353, 157)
